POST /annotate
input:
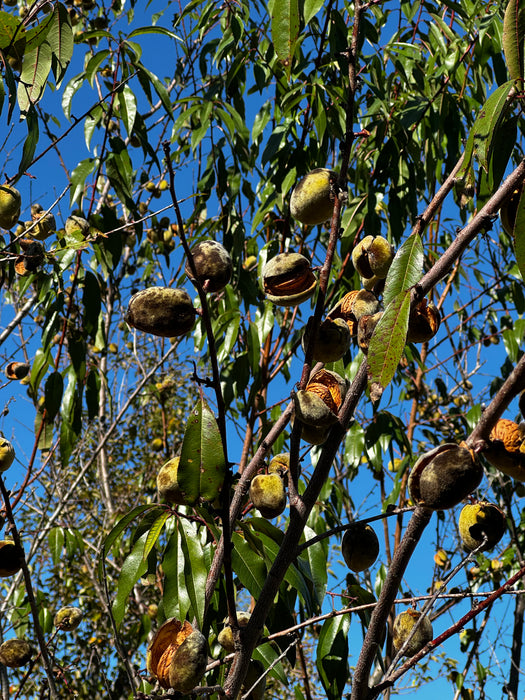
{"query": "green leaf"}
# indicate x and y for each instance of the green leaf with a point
(31, 141)
(12, 89)
(248, 565)
(55, 540)
(53, 394)
(202, 466)
(134, 566)
(10, 27)
(519, 234)
(513, 38)
(195, 569)
(311, 8)
(406, 268)
(78, 178)
(293, 575)
(155, 531)
(2, 95)
(35, 69)
(269, 657)
(120, 172)
(144, 74)
(70, 90)
(175, 599)
(92, 303)
(92, 394)
(128, 107)
(387, 344)
(253, 347)
(44, 430)
(94, 64)
(316, 555)
(60, 38)
(153, 30)
(116, 531)
(38, 34)
(285, 30)
(332, 656)
(488, 122)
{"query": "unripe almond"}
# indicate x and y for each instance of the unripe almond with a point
(444, 476)
(332, 340)
(423, 323)
(506, 449)
(177, 656)
(279, 464)
(7, 454)
(372, 257)
(17, 370)
(168, 485)
(225, 637)
(161, 311)
(11, 558)
(10, 202)
(480, 521)
(68, 618)
(403, 626)
(213, 265)
(312, 200)
(268, 494)
(288, 280)
(15, 653)
(360, 546)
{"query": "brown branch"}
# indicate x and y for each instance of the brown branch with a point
(453, 629)
(418, 522)
(298, 518)
(35, 611)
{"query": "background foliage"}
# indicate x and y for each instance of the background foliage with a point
(162, 123)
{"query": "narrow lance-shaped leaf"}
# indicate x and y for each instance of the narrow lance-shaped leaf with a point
(311, 8)
(135, 566)
(285, 30)
(248, 565)
(9, 27)
(117, 530)
(60, 39)
(332, 656)
(387, 344)
(406, 268)
(195, 569)
(202, 464)
(35, 69)
(519, 235)
(53, 394)
(155, 532)
(513, 38)
(175, 599)
(128, 107)
(488, 121)
(316, 555)
(31, 141)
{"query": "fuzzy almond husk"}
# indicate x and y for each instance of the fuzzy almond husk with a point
(268, 494)
(403, 625)
(480, 520)
(444, 476)
(288, 280)
(161, 311)
(177, 656)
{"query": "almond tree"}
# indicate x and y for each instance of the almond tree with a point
(262, 304)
